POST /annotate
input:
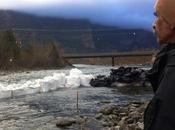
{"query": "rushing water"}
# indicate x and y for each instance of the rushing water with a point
(38, 111)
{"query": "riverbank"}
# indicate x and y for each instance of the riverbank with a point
(109, 117)
(4, 72)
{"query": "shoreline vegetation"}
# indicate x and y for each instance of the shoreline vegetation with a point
(14, 56)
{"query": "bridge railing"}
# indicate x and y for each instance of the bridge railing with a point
(110, 55)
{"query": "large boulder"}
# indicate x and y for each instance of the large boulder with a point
(65, 121)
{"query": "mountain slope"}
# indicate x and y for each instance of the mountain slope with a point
(75, 36)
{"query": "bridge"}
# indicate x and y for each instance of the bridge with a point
(109, 55)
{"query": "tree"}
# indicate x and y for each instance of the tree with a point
(53, 55)
(9, 50)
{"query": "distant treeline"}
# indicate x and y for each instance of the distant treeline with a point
(13, 55)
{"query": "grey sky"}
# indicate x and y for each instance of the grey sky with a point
(123, 13)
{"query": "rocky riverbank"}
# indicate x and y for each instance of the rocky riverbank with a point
(129, 117)
(122, 77)
(109, 117)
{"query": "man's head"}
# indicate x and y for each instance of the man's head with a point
(164, 24)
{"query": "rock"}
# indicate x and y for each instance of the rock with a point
(140, 125)
(117, 128)
(122, 77)
(101, 81)
(65, 121)
(135, 115)
(107, 110)
(111, 123)
(132, 127)
(122, 114)
(130, 121)
(113, 117)
(99, 116)
(131, 109)
(116, 112)
(122, 122)
(105, 123)
(127, 117)
(135, 105)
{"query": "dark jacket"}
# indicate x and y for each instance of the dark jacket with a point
(160, 113)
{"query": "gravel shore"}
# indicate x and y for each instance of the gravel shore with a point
(109, 117)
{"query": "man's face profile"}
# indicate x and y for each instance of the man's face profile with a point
(162, 25)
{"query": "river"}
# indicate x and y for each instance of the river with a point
(39, 111)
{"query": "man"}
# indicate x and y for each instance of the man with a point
(160, 113)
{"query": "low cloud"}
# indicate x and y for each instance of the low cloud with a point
(121, 13)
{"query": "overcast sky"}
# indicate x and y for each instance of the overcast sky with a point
(123, 13)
